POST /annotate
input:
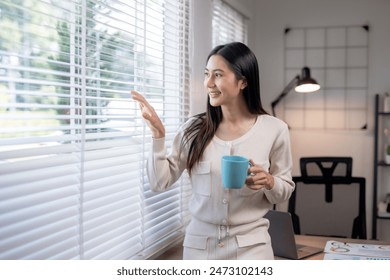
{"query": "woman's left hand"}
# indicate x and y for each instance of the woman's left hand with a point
(259, 178)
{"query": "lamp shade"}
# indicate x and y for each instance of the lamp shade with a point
(303, 83)
(306, 83)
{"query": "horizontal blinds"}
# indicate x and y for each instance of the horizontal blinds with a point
(229, 25)
(72, 144)
(40, 149)
(162, 212)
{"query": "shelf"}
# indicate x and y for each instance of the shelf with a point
(381, 118)
(383, 163)
(383, 215)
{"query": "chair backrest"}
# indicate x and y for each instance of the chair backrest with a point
(328, 200)
(340, 167)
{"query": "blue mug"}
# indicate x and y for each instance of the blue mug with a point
(234, 171)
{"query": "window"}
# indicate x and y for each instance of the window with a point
(229, 25)
(72, 144)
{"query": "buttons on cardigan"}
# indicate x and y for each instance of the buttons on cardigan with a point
(224, 222)
(228, 149)
(225, 200)
(223, 232)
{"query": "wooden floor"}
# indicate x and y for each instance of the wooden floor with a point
(174, 253)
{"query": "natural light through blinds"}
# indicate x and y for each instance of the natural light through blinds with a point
(229, 25)
(72, 143)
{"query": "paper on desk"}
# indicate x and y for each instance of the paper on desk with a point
(345, 250)
(331, 256)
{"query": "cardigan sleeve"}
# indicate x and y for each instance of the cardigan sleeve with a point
(281, 168)
(164, 169)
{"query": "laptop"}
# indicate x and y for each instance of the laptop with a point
(283, 238)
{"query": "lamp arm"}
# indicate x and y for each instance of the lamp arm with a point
(285, 91)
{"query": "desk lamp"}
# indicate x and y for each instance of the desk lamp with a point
(303, 83)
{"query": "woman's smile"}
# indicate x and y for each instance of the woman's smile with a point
(214, 94)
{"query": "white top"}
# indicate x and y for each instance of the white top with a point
(267, 143)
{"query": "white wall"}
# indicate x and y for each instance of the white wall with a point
(201, 46)
(268, 18)
(271, 19)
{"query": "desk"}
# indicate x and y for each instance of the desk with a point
(320, 242)
(176, 252)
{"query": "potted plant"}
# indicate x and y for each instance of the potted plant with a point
(387, 156)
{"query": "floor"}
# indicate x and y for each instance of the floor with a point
(174, 253)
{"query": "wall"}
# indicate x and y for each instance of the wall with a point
(268, 18)
(201, 46)
(272, 16)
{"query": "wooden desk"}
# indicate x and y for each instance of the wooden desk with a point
(320, 242)
(176, 252)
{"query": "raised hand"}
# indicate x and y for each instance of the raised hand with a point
(149, 115)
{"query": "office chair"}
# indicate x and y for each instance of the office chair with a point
(327, 199)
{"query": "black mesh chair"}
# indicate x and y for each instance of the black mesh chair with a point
(328, 200)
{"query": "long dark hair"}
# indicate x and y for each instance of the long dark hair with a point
(244, 64)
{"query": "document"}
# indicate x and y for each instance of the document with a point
(336, 250)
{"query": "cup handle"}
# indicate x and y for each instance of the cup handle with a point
(250, 165)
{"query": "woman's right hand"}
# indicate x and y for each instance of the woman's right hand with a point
(149, 115)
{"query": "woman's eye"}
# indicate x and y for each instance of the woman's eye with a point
(218, 75)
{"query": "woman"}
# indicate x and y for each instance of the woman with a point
(226, 224)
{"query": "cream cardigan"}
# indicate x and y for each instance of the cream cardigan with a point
(267, 143)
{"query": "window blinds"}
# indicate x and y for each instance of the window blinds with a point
(72, 144)
(229, 25)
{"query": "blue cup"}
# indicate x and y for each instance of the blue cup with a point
(234, 171)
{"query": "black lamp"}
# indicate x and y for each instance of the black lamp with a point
(303, 83)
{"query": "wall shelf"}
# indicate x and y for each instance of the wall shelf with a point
(383, 215)
(382, 119)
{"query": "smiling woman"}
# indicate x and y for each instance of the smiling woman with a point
(226, 223)
(73, 147)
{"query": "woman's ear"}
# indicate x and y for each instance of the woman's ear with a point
(244, 83)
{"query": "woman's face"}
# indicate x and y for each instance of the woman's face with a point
(220, 82)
